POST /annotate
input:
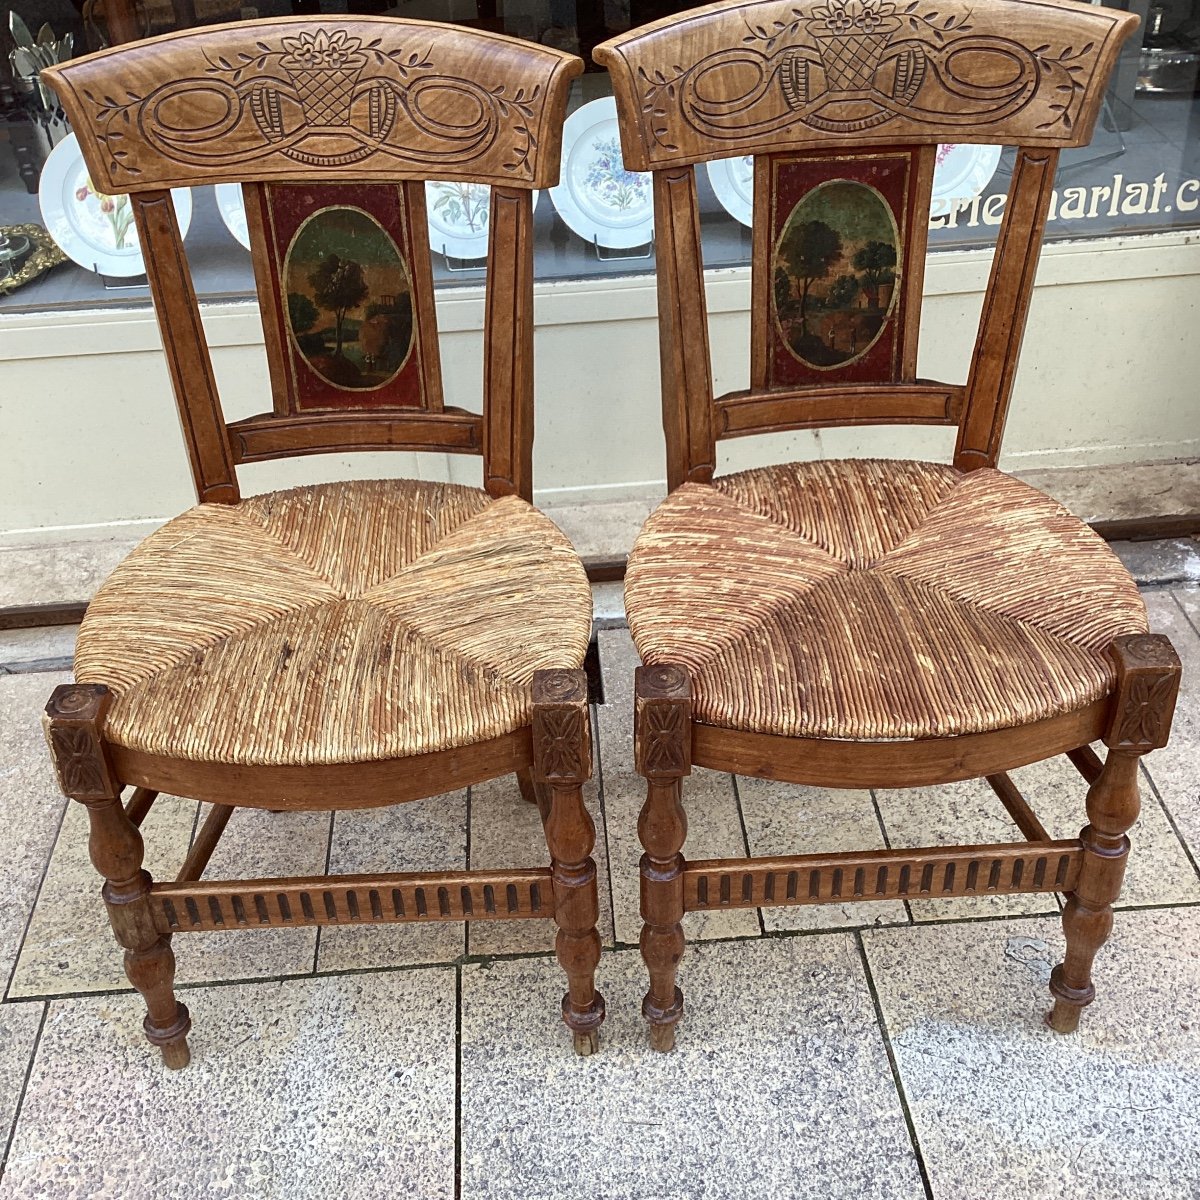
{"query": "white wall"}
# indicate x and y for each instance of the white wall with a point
(1112, 356)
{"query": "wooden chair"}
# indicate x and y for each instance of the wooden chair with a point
(352, 644)
(865, 623)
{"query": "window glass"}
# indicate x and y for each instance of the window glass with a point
(1141, 173)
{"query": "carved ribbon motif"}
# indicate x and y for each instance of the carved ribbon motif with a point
(323, 99)
(854, 65)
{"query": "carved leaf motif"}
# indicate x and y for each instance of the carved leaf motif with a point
(663, 732)
(1145, 711)
(561, 744)
(77, 761)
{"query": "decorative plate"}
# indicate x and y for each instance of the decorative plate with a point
(597, 198)
(92, 229)
(233, 211)
(457, 215)
(961, 174)
(732, 180)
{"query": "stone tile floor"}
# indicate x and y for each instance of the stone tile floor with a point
(866, 1051)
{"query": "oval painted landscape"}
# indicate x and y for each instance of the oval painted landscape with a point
(349, 299)
(834, 274)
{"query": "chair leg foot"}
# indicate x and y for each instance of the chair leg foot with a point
(662, 1038)
(173, 1042)
(1064, 1016)
(587, 1043)
(662, 1020)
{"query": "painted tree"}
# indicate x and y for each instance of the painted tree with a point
(842, 291)
(302, 312)
(810, 250)
(877, 262)
(339, 286)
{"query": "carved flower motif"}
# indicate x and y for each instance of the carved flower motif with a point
(323, 49)
(854, 16)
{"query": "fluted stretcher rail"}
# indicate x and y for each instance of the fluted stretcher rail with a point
(352, 899)
(882, 875)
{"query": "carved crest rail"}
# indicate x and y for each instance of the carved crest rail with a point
(364, 98)
(861, 71)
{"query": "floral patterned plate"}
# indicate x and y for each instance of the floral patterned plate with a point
(457, 215)
(732, 180)
(92, 229)
(960, 174)
(596, 196)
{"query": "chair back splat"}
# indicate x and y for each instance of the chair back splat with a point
(842, 105)
(332, 126)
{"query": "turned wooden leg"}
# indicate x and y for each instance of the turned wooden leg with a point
(74, 722)
(562, 761)
(663, 750)
(1147, 683)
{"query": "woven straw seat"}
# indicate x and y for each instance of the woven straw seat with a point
(868, 599)
(333, 624)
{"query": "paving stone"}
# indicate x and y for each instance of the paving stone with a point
(714, 824)
(58, 572)
(784, 818)
(608, 604)
(31, 805)
(618, 660)
(604, 529)
(1005, 1108)
(1159, 870)
(301, 1089)
(69, 946)
(19, 1024)
(779, 1084)
(1175, 769)
(424, 835)
(964, 813)
(1121, 491)
(506, 831)
(45, 644)
(1166, 560)
(257, 844)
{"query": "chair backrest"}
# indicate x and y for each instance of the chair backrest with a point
(842, 105)
(332, 126)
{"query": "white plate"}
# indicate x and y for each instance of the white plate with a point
(961, 174)
(596, 196)
(232, 208)
(92, 229)
(732, 180)
(457, 215)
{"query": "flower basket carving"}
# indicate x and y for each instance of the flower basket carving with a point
(851, 39)
(324, 70)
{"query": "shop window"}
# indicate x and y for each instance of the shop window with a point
(1141, 173)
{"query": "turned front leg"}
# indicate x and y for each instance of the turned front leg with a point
(662, 748)
(562, 762)
(74, 722)
(1147, 684)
